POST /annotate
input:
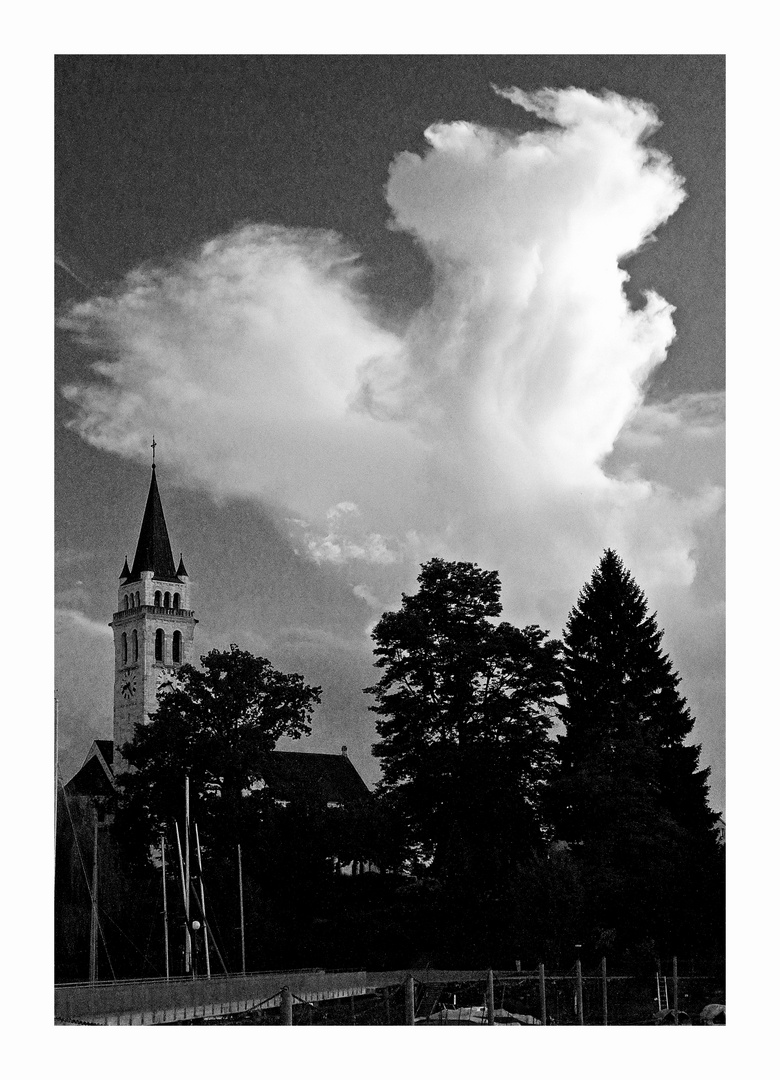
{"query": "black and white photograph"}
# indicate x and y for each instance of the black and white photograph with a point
(389, 489)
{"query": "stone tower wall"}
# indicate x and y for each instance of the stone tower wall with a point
(136, 681)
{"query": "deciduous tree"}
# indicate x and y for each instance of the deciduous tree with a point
(213, 724)
(464, 704)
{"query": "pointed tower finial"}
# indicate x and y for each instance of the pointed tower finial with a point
(154, 447)
(154, 548)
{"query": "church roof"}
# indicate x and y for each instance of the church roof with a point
(326, 778)
(95, 777)
(154, 548)
(106, 748)
(290, 775)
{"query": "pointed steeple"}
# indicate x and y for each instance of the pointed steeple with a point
(181, 570)
(154, 548)
(125, 571)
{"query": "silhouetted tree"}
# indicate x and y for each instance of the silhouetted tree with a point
(464, 705)
(213, 724)
(630, 795)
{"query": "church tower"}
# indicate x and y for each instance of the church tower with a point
(153, 626)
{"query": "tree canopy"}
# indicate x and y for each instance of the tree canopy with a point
(213, 724)
(464, 705)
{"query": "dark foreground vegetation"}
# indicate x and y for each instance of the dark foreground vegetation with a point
(496, 836)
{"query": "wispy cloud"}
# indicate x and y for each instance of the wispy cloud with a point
(347, 541)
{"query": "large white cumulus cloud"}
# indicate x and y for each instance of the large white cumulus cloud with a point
(484, 429)
(243, 358)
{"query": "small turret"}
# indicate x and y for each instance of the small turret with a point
(125, 571)
(181, 572)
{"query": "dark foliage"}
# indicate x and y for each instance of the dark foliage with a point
(630, 796)
(464, 705)
(214, 726)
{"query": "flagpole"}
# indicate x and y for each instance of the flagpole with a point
(188, 943)
(241, 908)
(203, 906)
(165, 910)
(184, 899)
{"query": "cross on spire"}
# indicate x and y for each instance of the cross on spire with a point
(154, 446)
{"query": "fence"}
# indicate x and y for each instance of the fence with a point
(577, 996)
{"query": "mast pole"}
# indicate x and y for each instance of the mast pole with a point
(165, 909)
(188, 942)
(184, 898)
(241, 908)
(56, 764)
(93, 922)
(203, 906)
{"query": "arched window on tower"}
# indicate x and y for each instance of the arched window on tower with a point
(132, 600)
(127, 604)
(159, 645)
(167, 603)
(177, 646)
(124, 645)
(135, 646)
(157, 598)
(137, 599)
(175, 601)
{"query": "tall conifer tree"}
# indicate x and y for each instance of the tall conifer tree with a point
(630, 797)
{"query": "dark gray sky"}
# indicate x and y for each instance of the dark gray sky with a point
(156, 156)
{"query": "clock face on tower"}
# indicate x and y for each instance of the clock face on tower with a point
(128, 687)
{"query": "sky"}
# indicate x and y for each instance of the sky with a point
(375, 309)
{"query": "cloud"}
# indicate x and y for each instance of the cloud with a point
(243, 359)
(345, 541)
(506, 424)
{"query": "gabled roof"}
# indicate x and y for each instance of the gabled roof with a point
(324, 778)
(154, 548)
(106, 748)
(290, 775)
(95, 777)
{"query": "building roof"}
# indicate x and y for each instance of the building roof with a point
(154, 548)
(327, 778)
(95, 777)
(106, 748)
(290, 775)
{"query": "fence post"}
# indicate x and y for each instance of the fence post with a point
(409, 1000)
(580, 1002)
(542, 996)
(286, 1006)
(675, 1001)
(491, 1005)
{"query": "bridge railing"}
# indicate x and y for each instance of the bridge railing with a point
(155, 1001)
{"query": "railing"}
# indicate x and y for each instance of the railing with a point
(187, 612)
(161, 1001)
